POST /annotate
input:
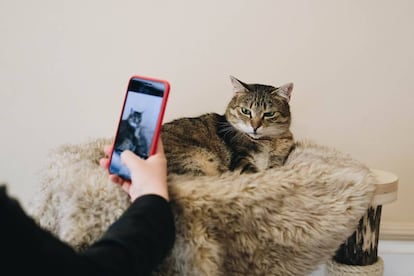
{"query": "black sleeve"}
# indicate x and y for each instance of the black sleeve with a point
(137, 242)
(134, 245)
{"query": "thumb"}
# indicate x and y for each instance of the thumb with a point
(130, 159)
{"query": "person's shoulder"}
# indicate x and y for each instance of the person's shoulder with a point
(3, 191)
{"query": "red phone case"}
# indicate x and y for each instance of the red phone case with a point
(162, 110)
(157, 129)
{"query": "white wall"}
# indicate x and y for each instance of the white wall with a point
(64, 67)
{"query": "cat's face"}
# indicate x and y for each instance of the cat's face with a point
(134, 118)
(259, 110)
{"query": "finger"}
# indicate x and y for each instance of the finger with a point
(104, 162)
(130, 159)
(108, 149)
(116, 179)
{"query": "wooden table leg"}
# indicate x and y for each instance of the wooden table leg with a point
(358, 255)
(362, 247)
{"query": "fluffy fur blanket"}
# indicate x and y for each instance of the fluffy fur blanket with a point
(284, 221)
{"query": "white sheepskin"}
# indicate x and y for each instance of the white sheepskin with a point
(283, 221)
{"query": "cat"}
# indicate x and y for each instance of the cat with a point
(130, 135)
(252, 135)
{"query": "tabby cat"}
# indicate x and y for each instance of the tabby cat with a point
(252, 135)
(130, 135)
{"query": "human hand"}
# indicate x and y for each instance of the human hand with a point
(148, 176)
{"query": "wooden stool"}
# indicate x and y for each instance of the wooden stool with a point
(359, 254)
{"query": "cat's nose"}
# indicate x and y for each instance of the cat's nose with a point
(255, 125)
(255, 129)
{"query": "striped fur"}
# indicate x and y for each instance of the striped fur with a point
(252, 135)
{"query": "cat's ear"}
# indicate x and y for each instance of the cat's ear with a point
(285, 91)
(238, 86)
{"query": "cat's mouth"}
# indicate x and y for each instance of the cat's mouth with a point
(258, 136)
(255, 135)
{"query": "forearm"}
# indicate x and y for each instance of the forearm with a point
(135, 244)
(139, 240)
(24, 243)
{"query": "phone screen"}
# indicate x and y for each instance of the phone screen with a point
(140, 122)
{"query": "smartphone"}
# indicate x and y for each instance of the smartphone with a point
(140, 121)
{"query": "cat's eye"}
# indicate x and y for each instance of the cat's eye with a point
(246, 111)
(269, 114)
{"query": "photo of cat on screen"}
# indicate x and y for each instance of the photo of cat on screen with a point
(136, 127)
(132, 135)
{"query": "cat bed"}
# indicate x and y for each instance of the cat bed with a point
(283, 221)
